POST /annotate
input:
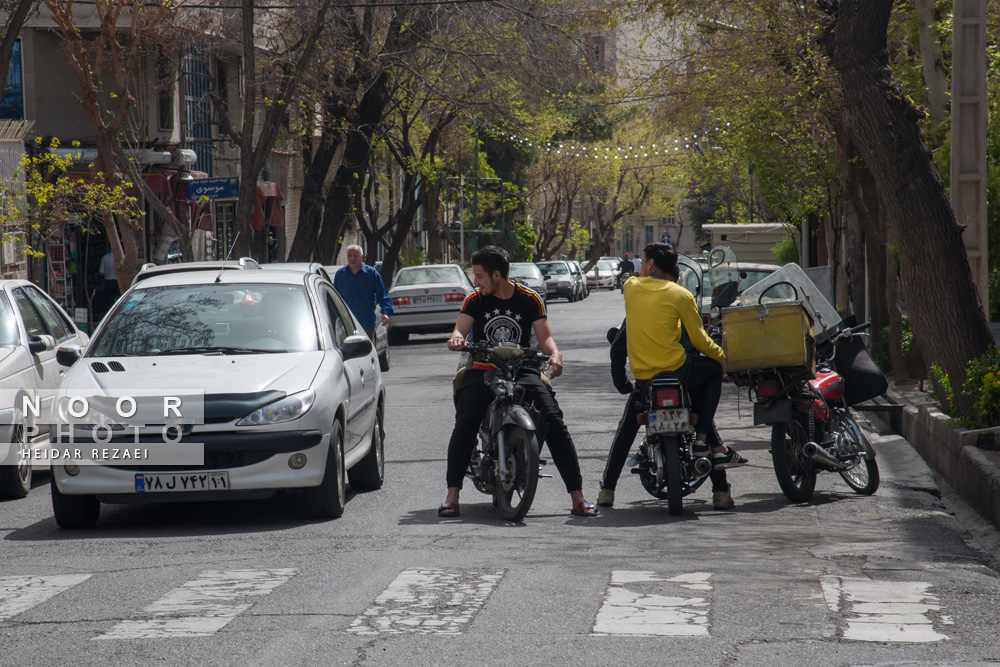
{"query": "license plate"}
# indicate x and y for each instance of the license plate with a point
(427, 299)
(669, 421)
(182, 481)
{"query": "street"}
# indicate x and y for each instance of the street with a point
(901, 577)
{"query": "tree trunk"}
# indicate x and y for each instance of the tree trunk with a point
(316, 166)
(945, 311)
(932, 64)
(899, 373)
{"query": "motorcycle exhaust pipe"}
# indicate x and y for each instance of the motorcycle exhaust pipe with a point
(822, 456)
(702, 467)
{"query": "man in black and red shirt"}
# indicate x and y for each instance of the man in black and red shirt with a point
(502, 311)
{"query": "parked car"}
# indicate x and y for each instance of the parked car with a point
(601, 275)
(426, 299)
(529, 274)
(32, 325)
(580, 277)
(559, 280)
(291, 396)
(381, 331)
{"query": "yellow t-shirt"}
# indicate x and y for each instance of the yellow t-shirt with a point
(654, 312)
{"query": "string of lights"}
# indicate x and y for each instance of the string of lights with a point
(610, 152)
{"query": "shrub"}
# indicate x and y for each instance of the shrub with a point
(982, 385)
(882, 357)
(942, 385)
(786, 250)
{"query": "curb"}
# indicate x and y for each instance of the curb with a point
(967, 460)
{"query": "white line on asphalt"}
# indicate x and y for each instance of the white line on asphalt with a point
(18, 594)
(203, 606)
(634, 606)
(428, 601)
(883, 611)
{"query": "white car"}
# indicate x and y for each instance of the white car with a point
(287, 383)
(31, 326)
(426, 299)
(602, 275)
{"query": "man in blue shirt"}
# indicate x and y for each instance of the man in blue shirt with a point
(362, 288)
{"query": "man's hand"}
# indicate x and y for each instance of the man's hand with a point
(385, 320)
(555, 363)
(456, 343)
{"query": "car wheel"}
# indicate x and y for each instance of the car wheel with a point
(74, 511)
(15, 478)
(383, 361)
(397, 337)
(369, 473)
(327, 501)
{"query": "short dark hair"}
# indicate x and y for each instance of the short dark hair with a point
(664, 257)
(492, 258)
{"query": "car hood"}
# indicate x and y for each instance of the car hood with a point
(213, 374)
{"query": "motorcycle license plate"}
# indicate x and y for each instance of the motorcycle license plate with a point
(668, 421)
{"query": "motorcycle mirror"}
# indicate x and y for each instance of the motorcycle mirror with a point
(612, 332)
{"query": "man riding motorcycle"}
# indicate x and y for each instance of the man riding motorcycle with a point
(657, 312)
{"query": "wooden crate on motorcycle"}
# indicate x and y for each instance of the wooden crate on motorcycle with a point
(768, 336)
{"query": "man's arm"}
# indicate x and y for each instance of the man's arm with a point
(691, 319)
(548, 345)
(383, 298)
(461, 331)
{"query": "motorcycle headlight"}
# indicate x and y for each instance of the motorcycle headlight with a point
(283, 410)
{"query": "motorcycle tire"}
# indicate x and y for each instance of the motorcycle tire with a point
(672, 468)
(516, 491)
(863, 477)
(795, 472)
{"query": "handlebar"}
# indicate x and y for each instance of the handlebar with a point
(516, 352)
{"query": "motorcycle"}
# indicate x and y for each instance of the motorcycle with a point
(505, 462)
(812, 428)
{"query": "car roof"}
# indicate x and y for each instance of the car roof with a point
(149, 270)
(422, 266)
(208, 277)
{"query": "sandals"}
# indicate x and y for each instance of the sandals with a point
(584, 508)
(448, 510)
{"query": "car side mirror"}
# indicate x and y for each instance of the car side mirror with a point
(39, 344)
(67, 355)
(355, 347)
(546, 277)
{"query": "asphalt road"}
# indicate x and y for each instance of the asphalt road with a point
(903, 577)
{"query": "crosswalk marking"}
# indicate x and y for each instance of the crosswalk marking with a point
(883, 611)
(202, 606)
(428, 601)
(634, 605)
(18, 594)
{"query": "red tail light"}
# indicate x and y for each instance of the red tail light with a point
(667, 397)
(768, 388)
(706, 321)
(401, 301)
(452, 298)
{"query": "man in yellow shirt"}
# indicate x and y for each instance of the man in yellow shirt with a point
(657, 310)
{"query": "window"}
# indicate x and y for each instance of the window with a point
(649, 234)
(8, 324)
(198, 107)
(54, 320)
(340, 324)
(12, 104)
(32, 320)
(595, 53)
(165, 98)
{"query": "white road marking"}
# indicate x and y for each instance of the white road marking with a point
(203, 606)
(630, 608)
(18, 594)
(883, 611)
(428, 601)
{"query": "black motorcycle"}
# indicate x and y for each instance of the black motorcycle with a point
(505, 462)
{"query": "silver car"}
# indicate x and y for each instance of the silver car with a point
(31, 326)
(426, 299)
(279, 385)
(531, 276)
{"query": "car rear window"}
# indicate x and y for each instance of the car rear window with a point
(428, 274)
(185, 319)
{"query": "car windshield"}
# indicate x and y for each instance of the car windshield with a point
(428, 274)
(554, 269)
(209, 319)
(525, 271)
(605, 265)
(8, 323)
(752, 277)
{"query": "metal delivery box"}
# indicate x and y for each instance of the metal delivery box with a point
(765, 336)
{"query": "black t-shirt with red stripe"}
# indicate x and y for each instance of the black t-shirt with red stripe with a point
(505, 321)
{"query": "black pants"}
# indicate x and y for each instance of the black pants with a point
(471, 404)
(628, 428)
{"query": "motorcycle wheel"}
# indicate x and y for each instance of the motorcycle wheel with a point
(672, 466)
(796, 474)
(516, 491)
(863, 477)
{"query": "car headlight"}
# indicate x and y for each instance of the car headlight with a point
(283, 410)
(92, 419)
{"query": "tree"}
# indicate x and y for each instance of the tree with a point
(883, 122)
